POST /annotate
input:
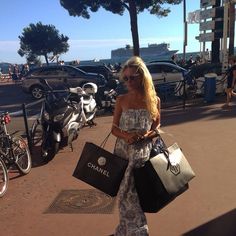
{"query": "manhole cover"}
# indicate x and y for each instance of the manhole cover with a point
(82, 201)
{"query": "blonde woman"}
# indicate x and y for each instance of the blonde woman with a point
(136, 121)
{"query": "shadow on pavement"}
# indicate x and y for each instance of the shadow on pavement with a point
(14, 173)
(220, 226)
(37, 160)
(202, 111)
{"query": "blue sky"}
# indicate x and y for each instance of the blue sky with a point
(96, 37)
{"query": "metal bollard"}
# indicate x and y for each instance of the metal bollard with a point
(27, 128)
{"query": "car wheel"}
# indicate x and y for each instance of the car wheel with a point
(37, 92)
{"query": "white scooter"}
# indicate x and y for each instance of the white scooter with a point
(86, 103)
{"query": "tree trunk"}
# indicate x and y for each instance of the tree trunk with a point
(134, 26)
(231, 28)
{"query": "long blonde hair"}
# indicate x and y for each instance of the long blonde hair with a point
(147, 82)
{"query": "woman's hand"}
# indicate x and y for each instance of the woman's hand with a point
(133, 137)
(148, 135)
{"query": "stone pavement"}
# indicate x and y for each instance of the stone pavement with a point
(206, 134)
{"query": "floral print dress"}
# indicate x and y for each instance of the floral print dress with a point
(132, 219)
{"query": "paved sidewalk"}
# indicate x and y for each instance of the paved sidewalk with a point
(206, 134)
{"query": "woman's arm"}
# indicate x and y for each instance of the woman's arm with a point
(115, 130)
(154, 132)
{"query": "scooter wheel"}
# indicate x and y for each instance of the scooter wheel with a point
(49, 153)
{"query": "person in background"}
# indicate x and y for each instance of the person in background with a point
(190, 62)
(174, 58)
(207, 55)
(135, 123)
(27, 68)
(24, 70)
(15, 73)
(9, 72)
(231, 81)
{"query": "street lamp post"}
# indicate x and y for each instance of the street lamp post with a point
(185, 30)
(184, 47)
(231, 27)
(215, 46)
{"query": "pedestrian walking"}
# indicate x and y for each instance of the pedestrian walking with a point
(135, 123)
(207, 56)
(231, 81)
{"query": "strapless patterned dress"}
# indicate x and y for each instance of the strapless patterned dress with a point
(132, 219)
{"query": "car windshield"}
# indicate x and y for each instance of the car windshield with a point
(164, 67)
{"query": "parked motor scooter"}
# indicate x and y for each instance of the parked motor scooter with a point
(86, 104)
(106, 95)
(62, 115)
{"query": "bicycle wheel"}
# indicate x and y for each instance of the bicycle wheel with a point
(179, 89)
(21, 154)
(36, 133)
(3, 178)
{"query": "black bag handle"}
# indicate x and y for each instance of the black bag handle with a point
(105, 140)
(166, 154)
(163, 149)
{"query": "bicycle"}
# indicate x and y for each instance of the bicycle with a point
(190, 87)
(13, 149)
(4, 179)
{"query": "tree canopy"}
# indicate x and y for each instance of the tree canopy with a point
(83, 8)
(42, 40)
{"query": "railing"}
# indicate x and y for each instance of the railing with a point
(171, 94)
(5, 78)
(183, 91)
(25, 118)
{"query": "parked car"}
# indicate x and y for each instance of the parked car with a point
(99, 69)
(198, 71)
(58, 77)
(168, 61)
(165, 72)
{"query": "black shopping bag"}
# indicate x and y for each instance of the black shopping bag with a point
(151, 192)
(100, 169)
(163, 177)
